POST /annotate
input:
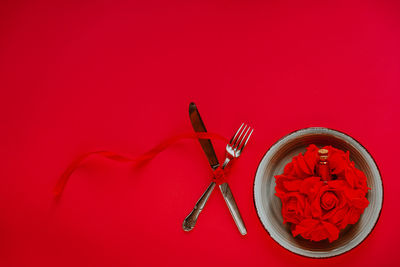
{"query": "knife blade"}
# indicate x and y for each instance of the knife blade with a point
(199, 127)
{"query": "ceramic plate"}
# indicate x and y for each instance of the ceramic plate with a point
(269, 206)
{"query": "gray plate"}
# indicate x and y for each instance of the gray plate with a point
(269, 206)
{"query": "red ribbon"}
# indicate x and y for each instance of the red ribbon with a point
(219, 176)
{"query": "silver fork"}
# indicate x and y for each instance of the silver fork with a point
(235, 147)
(233, 150)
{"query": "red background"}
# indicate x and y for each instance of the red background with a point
(78, 76)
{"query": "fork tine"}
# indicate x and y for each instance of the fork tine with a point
(245, 143)
(237, 140)
(243, 138)
(233, 138)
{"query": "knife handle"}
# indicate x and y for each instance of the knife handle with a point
(233, 208)
(191, 219)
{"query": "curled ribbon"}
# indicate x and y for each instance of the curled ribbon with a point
(219, 175)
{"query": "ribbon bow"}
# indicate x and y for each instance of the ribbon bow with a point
(219, 176)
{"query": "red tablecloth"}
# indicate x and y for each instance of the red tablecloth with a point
(78, 76)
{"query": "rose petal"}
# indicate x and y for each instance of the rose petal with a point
(311, 157)
(310, 186)
(305, 226)
(329, 200)
(280, 179)
(332, 230)
(289, 170)
(337, 161)
(301, 168)
(292, 207)
(350, 176)
(353, 215)
(340, 218)
(292, 185)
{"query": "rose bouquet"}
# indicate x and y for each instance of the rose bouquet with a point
(320, 200)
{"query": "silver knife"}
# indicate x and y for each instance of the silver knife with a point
(191, 219)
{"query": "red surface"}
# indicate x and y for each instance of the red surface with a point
(78, 76)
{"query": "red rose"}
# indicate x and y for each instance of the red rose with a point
(343, 168)
(302, 166)
(319, 209)
(316, 230)
(328, 200)
(293, 207)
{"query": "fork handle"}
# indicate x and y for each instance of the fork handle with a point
(233, 208)
(191, 219)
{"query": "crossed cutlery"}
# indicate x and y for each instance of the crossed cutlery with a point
(233, 150)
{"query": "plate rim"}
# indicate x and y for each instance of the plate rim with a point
(258, 212)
